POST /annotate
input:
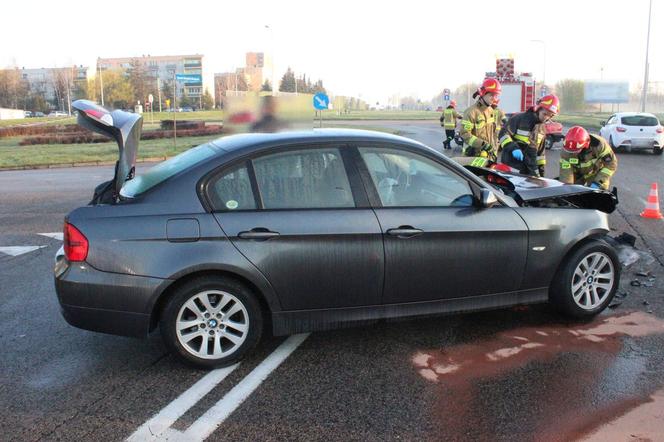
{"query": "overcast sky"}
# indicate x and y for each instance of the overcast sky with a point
(371, 48)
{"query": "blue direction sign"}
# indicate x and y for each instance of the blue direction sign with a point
(321, 101)
(189, 78)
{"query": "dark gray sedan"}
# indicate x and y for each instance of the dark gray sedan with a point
(317, 230)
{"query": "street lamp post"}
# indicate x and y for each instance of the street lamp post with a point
(645, 78)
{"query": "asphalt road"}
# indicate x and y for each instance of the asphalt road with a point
(516, 374)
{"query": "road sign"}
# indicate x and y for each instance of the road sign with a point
(446, 91)
(321, 101)
(447, 97)
(189, 78)
(150, 99)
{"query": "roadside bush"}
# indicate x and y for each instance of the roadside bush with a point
(185, 124)
(42, 129)
(90, 137)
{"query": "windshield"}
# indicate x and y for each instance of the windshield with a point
(640, 120)
(166, 169)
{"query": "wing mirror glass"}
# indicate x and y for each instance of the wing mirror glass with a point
(487, 198)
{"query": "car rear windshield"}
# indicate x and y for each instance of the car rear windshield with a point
(166, 169)
(640, 120)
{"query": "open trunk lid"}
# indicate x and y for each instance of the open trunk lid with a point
(545, 192)
(125, 128)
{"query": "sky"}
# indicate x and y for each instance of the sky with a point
(370, 49)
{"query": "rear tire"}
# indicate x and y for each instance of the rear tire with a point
(587, 280)
(211, 322)
(657, 150)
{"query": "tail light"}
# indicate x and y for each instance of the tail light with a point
(621, 129)
(660, 130)
(75, 244)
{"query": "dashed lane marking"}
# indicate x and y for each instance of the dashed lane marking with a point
(55, 235)
(19, 250)
(159, 426)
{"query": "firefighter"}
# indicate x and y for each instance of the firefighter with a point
(449, 121)
(478, 126)
(501, 120)
(522, 139)
(587, 159)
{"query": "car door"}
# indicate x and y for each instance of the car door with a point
(302, 217)
(438, 243)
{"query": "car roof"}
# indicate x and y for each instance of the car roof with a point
(251, 141)
(631, 114)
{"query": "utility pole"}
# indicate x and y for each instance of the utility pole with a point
(645, 78)
(159, 92)
(101, 83)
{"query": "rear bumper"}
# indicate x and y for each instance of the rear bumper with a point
(105, 302)
(639, 143)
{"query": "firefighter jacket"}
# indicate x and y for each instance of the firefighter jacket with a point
(596, 164)
(499, 115)
(525, 131)
(449, 118)
(478, 130)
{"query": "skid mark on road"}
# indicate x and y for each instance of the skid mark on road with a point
(159, 426)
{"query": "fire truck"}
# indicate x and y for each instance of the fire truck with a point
(519, 94)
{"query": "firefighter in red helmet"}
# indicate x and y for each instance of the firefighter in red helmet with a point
(522, 139)
(478, 125)
(587, 159)
(449, 121)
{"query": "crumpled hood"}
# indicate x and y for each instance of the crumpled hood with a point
(532, 189)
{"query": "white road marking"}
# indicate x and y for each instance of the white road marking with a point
(55, 235)
(155, 427)
(19, 250)
(215, 416)
(159, 426)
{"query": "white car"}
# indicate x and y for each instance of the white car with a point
(634, 130)
(58, 114)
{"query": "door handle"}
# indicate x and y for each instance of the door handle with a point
(258, 234)
(404, 232)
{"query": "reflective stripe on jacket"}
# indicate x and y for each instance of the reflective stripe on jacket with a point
(528, 133)
(596, 164)
(449, 118)
(478, 130)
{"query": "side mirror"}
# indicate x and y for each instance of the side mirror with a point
(487, 198)
(602, 123)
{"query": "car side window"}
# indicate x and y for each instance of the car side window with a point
(232, 190)
(303, 179)
(405, 179)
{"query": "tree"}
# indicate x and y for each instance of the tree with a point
(571, 94)
(13, 89)
(287, 82)
(464, 95)
(139, 80)
(118, 92)
(267, 87)
(207, 100)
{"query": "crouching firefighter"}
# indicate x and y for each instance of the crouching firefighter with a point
(587, 159)
(449, 121)
(522, 139)
(478, 125)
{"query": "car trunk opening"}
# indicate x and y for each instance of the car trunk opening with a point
(123, 127)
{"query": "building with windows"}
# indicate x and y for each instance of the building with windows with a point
(249, 78)
(164, 68)
(55, 84)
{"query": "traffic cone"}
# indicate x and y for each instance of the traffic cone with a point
(652, 206)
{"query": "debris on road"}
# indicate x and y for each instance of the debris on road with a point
(635, 283)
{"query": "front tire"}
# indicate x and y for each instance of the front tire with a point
(211, 322)
(657, 150)
(587, 280)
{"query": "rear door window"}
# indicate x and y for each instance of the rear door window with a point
(232, 190)
(640, 120)
(303, 179)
